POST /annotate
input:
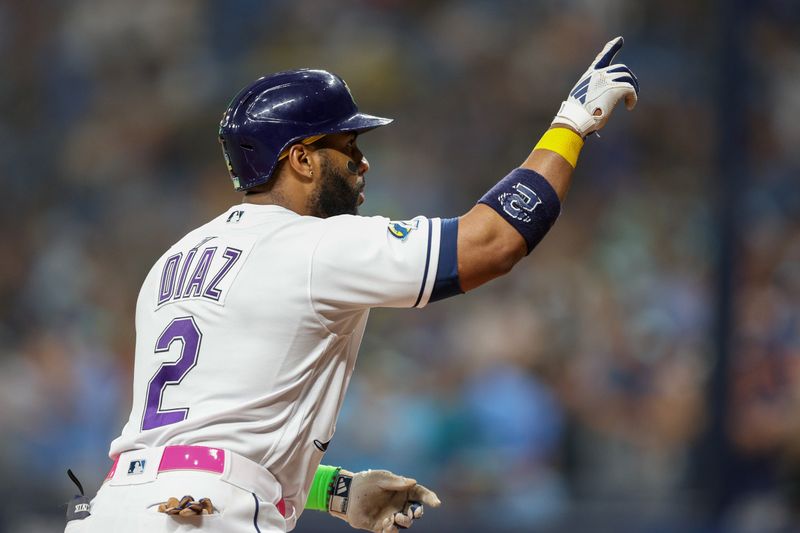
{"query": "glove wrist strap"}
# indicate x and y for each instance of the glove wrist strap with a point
(573, 114)
(340, 495)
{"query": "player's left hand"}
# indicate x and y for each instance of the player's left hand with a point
(379, 501)
(591, 101)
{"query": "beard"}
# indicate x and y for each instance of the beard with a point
(334, 194)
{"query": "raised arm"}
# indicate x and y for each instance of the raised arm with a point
(511, 219)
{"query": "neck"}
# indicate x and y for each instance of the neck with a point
(276, 196)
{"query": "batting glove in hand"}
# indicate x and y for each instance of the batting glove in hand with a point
(378, 500)
(592, 99)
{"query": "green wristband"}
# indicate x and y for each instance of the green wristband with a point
(320, 491)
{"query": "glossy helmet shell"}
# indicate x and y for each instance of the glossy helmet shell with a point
(278, 110)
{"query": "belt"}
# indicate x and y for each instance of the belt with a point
(202, 458)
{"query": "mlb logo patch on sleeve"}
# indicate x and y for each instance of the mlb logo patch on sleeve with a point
(401, 229)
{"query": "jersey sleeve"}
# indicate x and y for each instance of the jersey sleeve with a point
(362, 262)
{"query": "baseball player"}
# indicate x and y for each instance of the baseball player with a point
(248, 327)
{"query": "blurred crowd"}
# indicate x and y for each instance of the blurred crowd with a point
(571, 395)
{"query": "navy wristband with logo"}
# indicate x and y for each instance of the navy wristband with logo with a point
(527, 201)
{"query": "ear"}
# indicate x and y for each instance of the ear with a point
(299, 159)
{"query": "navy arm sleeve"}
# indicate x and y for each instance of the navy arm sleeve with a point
(447, 283)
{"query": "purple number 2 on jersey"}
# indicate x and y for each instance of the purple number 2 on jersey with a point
(182, 329)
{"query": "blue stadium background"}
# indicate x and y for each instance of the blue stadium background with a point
(639, 372)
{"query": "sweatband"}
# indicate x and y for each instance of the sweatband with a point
(527, 201)
(562, 141)
(321, 488)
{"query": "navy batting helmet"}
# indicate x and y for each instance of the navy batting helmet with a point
(278, 110)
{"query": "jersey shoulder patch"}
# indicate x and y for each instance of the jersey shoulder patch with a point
(401, 229)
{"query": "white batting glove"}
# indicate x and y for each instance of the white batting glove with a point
(378, 500)
(592, 99)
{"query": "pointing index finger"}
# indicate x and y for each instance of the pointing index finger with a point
(606, 55)
(425, 495)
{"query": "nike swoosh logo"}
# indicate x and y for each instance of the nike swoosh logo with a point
(321, 446)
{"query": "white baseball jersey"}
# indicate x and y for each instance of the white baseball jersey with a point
(247, 329)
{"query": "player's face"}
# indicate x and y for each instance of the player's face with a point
(340, 189)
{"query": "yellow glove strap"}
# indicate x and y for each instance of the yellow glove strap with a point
(562, 141)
